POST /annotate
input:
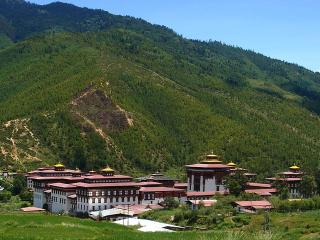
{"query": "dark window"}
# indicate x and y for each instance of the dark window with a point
(204, 184)
(196, 183)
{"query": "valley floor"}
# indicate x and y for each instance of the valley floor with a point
(15, 225)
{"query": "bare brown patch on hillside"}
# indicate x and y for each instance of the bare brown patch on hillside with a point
(18, 144)
(97, 108)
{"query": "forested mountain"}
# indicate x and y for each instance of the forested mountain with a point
(91, 88)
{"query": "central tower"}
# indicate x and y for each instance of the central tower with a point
(207, 176)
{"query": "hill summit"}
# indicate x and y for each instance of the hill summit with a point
(91, 88)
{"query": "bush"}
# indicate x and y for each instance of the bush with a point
(19, 185)
(5, 196)
(82, 215)
(241, 219)
(26, 196)
(171, 203)
(236, 80)
(25, 204)
(299, 205)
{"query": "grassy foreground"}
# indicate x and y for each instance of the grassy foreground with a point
(298, 225)
(42, 226)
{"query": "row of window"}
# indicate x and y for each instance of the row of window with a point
(61, 200)
(38, 184)
(105, 181)
(35, 196)
(109, 192)
(112, 199)
(38, 190)
(57, 174)
(148, 196)
(108, 200)
(59, 192)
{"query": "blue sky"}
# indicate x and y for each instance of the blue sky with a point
(283, 29)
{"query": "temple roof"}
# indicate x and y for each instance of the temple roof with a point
(59, 165)
(209, 166)
(211, 159)
(231, 164)
(294, 167)
(107, 169)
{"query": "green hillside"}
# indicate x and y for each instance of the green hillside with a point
(141, 98)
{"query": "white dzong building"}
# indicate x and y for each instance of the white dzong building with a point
(207, 176)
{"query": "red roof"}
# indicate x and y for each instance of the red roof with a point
(62, 185)
(291, 173)
(212, 166)
(254, 204)
(32, 209)
(181, 185)
(285, 179)
(74, 178)
(196, 194)
(262, 192)
(105, 185)
(145, 184)
(160, 189)
(45, 171)
(262, 185)
(99, 176)
(68, 178)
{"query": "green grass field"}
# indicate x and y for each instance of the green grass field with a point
(43, 226)
(303, 225)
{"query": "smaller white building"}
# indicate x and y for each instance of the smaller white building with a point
(252, 206)
(103, 196)
(60, 197)
(156, 195)
(39, 197)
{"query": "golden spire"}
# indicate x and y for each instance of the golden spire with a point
(211, 159)
(232, 164)
(59, 165)
(295, 167)
(107, 169)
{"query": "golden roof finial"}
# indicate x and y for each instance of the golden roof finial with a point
(231, 164)
(59, 165)
(211, 159)
(107, 169)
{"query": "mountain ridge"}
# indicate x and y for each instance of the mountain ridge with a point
(184, 97)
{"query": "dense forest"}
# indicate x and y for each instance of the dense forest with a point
(90, 88)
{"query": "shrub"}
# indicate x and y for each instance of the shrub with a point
(242, 219)
(5, 196)
(171, 203)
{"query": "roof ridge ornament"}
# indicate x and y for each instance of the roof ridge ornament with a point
(211, 159)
